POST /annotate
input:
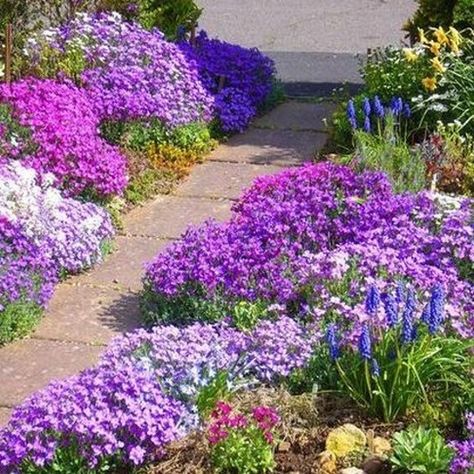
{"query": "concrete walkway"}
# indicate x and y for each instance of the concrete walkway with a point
(88, 310)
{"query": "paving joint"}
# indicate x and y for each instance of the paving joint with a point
(68, 341)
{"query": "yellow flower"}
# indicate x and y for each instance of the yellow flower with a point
(437, 64)
(429, 83)
(456, 39)
(441, 35)
(435, 48)
(422, 36)
(410, 55)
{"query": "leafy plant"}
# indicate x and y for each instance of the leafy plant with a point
(247, 314)
(213, 392)
(420, 450)
(242, 444)
(17, 320)
(387, 151)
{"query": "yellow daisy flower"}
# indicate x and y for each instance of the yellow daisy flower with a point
(441, 35)
(410, 55)
(456, 39)
(435, 48)
(429, 83)
(438, 65)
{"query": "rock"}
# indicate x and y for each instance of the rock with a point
(377, 465)
(381, 446)
(345, 440)
(327, 463)
(351, 470)
(284, 447)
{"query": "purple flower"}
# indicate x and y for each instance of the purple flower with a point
(378, 107)
(396, 105)
(367, 125)
(375, 368)
(436, 306)
(408, 327)
(390, 307)
(351, 114)
(366, 108)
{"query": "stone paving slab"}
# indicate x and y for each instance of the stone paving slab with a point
(125, 267)
(28, 365)
(223, 180)
(169, 216)
(298, 116)
(270, 147)
(89, 314)
(4, 416)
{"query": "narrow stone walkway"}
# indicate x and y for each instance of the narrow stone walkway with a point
(90, 309)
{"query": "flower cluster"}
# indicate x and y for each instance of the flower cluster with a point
(239, 78)
(128, 71)
(225, 420)
(64, 135)
(373, 110)
(142, 394)
(463, 460)
(311, 239)
(70, 233)
(26, 271)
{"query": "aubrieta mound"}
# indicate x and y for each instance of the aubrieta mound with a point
(63, 137)
(311, 240)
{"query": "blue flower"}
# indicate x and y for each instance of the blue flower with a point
(390, 307)
(366, 107)
(400, 293)
(372, 299)
(351, 114)
(375, 368)
(408, 331)
(333, 343)
(365, 343)
(367, 126)
(396, 104)
(436, 309)
(406, 112)
(379, 109)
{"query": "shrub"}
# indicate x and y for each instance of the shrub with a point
(129, 72)
(420, 450)
(63, 128)
(70, 232)
(240, 443)
(306, 239)
(248, 78)
(27, 278)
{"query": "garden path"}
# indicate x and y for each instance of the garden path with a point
(90, 309)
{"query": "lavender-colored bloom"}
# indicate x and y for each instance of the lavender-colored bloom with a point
(367, 109)
(390, 307)
(333, 342)
(378, 107)
(351, 114)
(408, 328)
(396, 105)
(365, 343)
(372, 300)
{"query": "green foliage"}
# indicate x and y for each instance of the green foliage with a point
(463, 15)
(14, 136)
(247, 314)
(390, 153)
(420, 450)
(17, 320)
(387, 73)
(428, 372)
(244, 451)
(167, 15)
(431, 13)
(212, 393)
(189, 306)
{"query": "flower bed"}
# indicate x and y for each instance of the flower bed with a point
(329, 323)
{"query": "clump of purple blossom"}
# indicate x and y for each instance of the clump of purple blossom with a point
(65, 138)
(463, 461)
(128, 71)
(298, 236)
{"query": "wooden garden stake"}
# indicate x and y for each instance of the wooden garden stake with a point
(193, 36)
(8, 53)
